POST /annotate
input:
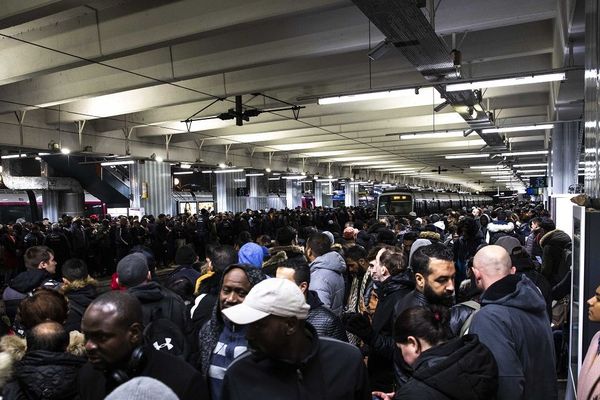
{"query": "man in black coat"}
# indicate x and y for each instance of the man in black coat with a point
(80, 289)
(113, 330)
(46, 371)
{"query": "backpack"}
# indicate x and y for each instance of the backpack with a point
(164, 335)
(467, 324)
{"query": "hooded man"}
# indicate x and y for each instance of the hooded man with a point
(327, 272)
(220, 341)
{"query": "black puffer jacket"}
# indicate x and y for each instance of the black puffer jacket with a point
(554, 265)
(382, 346)
(24, 283)
(325, 322)
(80, 295)
(44, 375)
(461, 369)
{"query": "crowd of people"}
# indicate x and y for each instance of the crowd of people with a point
(306, 304)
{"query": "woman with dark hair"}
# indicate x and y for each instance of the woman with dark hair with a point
(442, 368)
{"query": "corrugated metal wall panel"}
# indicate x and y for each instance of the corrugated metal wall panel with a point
(157, 178)
(293, 193)
(226, 196)
(277, 203)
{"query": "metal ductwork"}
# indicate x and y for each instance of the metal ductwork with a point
(406, 27)
(38, 182)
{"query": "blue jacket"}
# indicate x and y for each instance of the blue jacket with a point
(513, 324)
(327, 279)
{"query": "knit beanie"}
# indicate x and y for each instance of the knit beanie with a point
(142, 388)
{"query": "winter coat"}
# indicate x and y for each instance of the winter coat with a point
(382, 346)
(497, 229)
(589, 376)
(44, 375)
(325, 322)
(22, 284)
(159, 302)
(513, 324)
(554, 264)
(211, 330)
(80, 294)
(327, 279)
(178, 375)
(332, 370)
(461, 369)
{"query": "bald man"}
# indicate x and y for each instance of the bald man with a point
(513, 324)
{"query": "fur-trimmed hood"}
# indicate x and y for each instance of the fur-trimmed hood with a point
(16, 346)
(78, 284)
(555, 237)
(433, 236)
(500, 226)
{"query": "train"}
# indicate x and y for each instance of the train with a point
(400, 203)
(14, 204)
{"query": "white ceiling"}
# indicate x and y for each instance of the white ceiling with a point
(151, 64)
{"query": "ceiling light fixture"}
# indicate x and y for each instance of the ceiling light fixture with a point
(366, 96)
(524, 153)
(498, 167)
(65, 150)
(255, 174)
(459, 156)
(521, 171)
(183, 173)
(185, 166)
(431, 135)
(500, 172)
(519, 80)
(111, 163)
(13, 156)
(530, 165)
(521, 128)
(294, 177)
(228, 171)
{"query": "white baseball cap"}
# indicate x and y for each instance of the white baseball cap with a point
(273, 296)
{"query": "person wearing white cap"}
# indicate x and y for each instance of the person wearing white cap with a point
(288, 359)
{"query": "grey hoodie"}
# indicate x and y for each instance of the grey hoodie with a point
(327, 279)
(513, 324)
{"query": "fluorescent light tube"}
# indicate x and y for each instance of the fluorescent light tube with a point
(498, 167)
(185, 166)
(518, 128)
(207, 171)
(366, 96)
(459, 156)
(522, 171)
(294, 177)
(524, 153)
(496, 172)
(257, 174)
(227, 171)
(183, 173)
(520, 80)
(431, 135)
(13, 156)
(111, 163)
(530, 165)
(273, 179)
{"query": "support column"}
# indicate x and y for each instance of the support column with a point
(293, 193)
(257, 191)
(351, 194)
(565, 158)
(50, 206)
(226, 195)
(591, 98)
(318, 194)
(151, 187)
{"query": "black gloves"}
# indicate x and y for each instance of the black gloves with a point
(359, 325)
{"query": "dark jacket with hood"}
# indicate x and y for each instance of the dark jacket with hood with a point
(24, 283)
(461, 369)
(325, 322)
(159, 302)
(44, 375)
(327, 279)
(554, 264)
(332, 370)
(513, 324)
(80, 294)
(210, 332)
(382, 347)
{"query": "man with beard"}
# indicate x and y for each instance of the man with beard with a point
(113, 330)
(433, 266)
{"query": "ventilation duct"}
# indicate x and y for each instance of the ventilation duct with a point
(406, 27)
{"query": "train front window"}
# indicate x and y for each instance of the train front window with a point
(400, 205)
